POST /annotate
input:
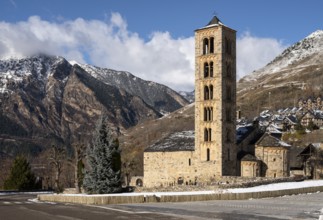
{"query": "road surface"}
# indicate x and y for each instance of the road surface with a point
(26, 207)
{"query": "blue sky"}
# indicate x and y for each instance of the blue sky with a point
(152, 39)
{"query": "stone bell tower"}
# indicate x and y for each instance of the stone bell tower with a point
(215, 100)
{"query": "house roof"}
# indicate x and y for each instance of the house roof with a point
(179, 141)
(268, 140)
(309, 150)
(249, 157)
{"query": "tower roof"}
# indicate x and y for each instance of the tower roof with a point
(215, 20)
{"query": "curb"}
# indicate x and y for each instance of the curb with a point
(119, 199)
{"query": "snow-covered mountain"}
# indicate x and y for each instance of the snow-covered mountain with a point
(304, 53)
(45, 98)
(296, 73)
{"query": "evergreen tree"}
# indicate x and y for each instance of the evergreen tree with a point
(21, 177)
(103, 175)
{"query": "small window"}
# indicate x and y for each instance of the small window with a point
(274, 159)
(206, 93)
(189, 162)
(210, 134)
(205, 46)
(206, 70)
(206, 135)
(180, 181)
(206, 114)
(211, 91)
(210, 114)
(212, 45)
(211, 69)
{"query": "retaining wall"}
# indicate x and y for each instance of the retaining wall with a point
(121, 199)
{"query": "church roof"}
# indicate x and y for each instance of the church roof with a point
(268, 140)
(215, 20)
(179, 141)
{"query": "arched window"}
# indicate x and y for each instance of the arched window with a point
(210, 134)
(211, 69)
(208, 154)
(205, 46)
(206, 70)
(211, 91)
(206, 134)
(206, 114)
(211, 114)
(212, 45)
(206, 93)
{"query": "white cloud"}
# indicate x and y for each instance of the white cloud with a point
(161, 58)
(254, 52)
(106, 44)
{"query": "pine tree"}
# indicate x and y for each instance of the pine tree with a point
(103, 175)
(21, 177)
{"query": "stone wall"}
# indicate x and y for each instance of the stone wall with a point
(120, 199)
(250, 168)
(168, 168)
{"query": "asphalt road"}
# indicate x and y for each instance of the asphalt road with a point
(307, 206)
(25, 207)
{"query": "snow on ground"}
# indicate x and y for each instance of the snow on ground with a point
(278, 186)
(269, 187)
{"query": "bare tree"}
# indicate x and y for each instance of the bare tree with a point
(56, 158)
(78, 165)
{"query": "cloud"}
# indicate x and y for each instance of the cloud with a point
(110, 44)
(106, 44)
(254, 52)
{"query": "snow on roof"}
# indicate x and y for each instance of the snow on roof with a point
(179, 141)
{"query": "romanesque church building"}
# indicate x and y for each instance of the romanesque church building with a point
(211, 151)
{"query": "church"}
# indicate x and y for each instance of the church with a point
(211, 151)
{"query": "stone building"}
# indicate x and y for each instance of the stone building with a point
(274, 156)
(214, 152)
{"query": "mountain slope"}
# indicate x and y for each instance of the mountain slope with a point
(45, 99)
(294, 74)
(160, 97)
